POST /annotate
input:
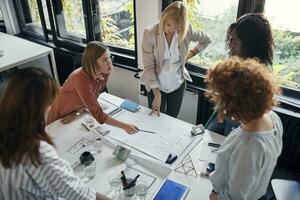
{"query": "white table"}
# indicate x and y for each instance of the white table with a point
(65, 135)
(18, 51)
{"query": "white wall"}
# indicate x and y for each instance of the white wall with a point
(147, 13)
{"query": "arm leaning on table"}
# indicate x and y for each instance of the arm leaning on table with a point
(89, 99)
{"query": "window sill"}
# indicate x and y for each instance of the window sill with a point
(289, 100)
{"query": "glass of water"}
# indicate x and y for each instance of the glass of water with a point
(98, 145)
(89, 168)
(140, 190)
(115, 183)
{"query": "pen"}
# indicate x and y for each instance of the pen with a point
(123, 178)
(115, 111)
(85, 126)
(173, 159)
(168, 158)
(147, 131)
(214, 145)
(132, 183)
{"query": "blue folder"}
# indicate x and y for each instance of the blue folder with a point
(130, 105)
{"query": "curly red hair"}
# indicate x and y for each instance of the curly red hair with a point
(242, 89)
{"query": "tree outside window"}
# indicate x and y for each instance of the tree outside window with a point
(117, 22)
(284, 18)
(213, 17)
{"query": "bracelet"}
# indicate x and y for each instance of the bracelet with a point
(77, 113)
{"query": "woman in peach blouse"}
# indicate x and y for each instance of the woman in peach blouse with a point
(83, 87)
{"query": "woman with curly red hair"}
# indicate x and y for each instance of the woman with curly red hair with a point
(244, 91)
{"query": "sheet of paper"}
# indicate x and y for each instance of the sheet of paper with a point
(171, 135)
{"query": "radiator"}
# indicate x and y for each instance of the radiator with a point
(64, 63)
(290, 155)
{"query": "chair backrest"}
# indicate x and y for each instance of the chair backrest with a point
(77, 62)
(286, 189)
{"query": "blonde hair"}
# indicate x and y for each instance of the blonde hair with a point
(176, 11)
(92, 52)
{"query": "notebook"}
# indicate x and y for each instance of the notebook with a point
(130, 105)
(172, 190)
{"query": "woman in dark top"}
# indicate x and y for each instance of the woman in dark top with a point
(249, 37)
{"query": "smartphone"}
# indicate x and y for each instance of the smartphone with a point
(171, 190)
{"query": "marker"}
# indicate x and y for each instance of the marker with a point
(132, 183)
(147, 131)
(123, 178)
(210, 144)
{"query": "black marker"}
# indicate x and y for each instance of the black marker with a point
(132, 183)
(210, 144)
(123, 178)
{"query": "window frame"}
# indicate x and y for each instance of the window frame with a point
(198, 72)
(91, 10)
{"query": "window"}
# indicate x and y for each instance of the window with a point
(117, 22)
(34, 17)
(2, 25)
(1, 17)
(72, 23)
(70, 19)
(30, 14)
(284, 16)
(213, 17)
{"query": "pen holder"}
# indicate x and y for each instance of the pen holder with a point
(86, 156)
(129, 191)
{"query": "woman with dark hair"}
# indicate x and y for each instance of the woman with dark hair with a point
(29, 165)
(249, 37)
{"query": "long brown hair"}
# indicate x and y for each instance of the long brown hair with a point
(92, 52)
(22, 116)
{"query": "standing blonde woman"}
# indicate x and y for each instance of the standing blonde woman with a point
(165, 52)
(82, 88)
